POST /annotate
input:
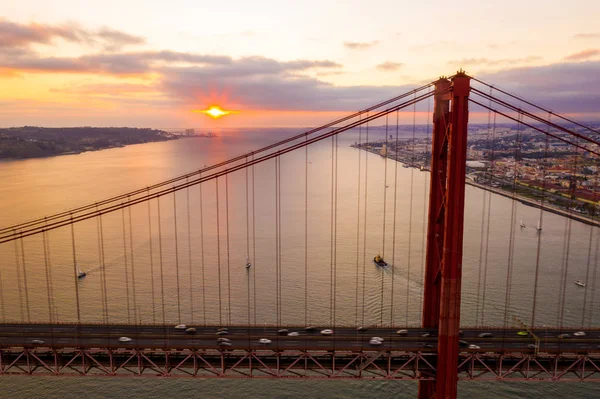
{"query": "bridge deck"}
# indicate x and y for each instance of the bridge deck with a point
(165, 351)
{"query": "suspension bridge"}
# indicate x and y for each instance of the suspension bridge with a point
(266, 262)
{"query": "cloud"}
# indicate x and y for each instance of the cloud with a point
(109, 89)
(389, 66)
(490, 62)
(16, 35)
(251, 89)
(115, 63)
(131, 63)
(583, 55)
(587, 36)
(563, 87)
(114, 39)
(360, 45)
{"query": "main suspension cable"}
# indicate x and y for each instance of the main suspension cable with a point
(218, 165)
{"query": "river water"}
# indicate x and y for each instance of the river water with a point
(364, 294)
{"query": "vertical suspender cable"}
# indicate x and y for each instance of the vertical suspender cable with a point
(247, 247)
(587, 276)
(410, 214)
(511, 240)
(100, 263)
(335, 232)
(481, 243)
(427, 162)
(228, 255)
(25, 280)
(489, 214)
(254, 263)
(306, 233)
(135, 307)
(394, 225)
(358, 147)
(364, 271)
(279, 245)
(151, 266)
(46, 266)
(594, 274)
(385, 160)
(54, 306)
(189, 238)
(75, 277)
(331, 224)
(219, 252)
(126, 271)
(573, 189)
(594, 213)
(103, 269)
(176, 257)
(160, 256)
(202, 276)
(18, 264)
(2, 302)
(276, 242)
(539, 236)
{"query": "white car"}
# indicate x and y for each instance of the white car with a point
(374, 341)
(180, 327)
(223, 340)
(474, 346)
(377, 339)
(327, 332)
(402, 332)
(293, 334)
(124, 339)
(190, 330)
(579, 334)
(264, 341)
(37, 341)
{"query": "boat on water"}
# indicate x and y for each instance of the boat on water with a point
(539, 226)
(379, 261)
(80, 273)
(579, 283)
(248, 264)
(522, 224)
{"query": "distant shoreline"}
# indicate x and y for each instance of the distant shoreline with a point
(524, 200)
(37, 142)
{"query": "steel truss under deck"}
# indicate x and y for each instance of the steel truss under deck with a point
(381, 365)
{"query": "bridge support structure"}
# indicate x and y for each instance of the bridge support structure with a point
(443, 266)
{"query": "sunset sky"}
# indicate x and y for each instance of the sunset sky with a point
(277, 63)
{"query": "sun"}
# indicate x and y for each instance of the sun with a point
(215, 112)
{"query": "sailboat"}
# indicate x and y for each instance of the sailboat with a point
(522, 224)
(539, 226)
(248, 264)
(80, 273)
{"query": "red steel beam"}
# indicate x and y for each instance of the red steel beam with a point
(449, 324)
(443, 267)
(435, 229)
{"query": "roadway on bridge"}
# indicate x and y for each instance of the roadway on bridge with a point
(344, 338)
